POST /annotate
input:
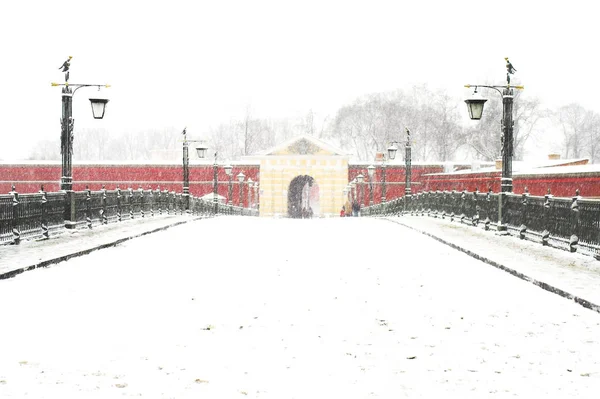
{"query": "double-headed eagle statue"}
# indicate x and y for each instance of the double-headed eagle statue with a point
(510, 70)
(65, 68)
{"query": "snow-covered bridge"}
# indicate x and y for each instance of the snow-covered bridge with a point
(287, 308)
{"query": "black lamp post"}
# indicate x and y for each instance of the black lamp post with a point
(392, 149)
(250, 185)
(256, 201)
(383, 188)
(371, 173)
(475, 106)
(241, 176)
(256, 196)
(201, 151)
(228, 171)
(360, 179)
(66, 136)
(407, 164)
(215, 186)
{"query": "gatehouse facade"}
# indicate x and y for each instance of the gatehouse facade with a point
(301, 175)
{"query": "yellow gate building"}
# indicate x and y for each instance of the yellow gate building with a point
(303, 176)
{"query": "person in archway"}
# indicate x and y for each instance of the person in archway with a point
(309, 212)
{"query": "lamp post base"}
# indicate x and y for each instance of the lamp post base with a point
(501, 230)
(69, 215)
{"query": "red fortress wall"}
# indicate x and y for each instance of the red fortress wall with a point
(29, 176)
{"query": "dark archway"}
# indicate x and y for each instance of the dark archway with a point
(302, 197)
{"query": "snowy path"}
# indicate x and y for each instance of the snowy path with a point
(249, 307)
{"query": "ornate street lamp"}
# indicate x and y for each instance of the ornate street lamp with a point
(228, 171)
(241, 176)
(383, 175)
(475, 105)
(407, 164)
(201, 151)
(256, 201)
(360, 179)
(371, 173)
(66, 136)
(98, 107)
(475, 108)
(250, 184)
(215, 186)
(392, 149)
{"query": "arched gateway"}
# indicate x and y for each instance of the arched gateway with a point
(302, 172)
(303, 197)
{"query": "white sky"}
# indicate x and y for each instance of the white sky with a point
(199, 63)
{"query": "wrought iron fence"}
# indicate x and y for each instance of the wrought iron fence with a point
(32, 216)
(570, 223)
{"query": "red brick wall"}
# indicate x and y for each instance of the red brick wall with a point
(29, 177)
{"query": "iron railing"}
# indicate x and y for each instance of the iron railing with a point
(569, 223)
(38, 215)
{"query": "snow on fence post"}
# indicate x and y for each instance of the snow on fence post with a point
(15, 216)
(475, 220)
(151, 194)
(173, 202)
(131, 215)
(463, 199)
(88, 209)
(118, 204)
(524, 213)
(103, 206)
(44, 221)
(574, 239)
(141, 191)
(444, 204)
(166, 201)
(453, 203)
(159, 200)
(547, 217)
(439, 204)
(488, 200)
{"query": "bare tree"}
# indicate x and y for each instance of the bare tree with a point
(572, 121)
(46, 150)
(485, 138)
(371, 122)
(592, 136)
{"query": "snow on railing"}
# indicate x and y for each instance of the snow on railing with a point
(33, 216)
(568, 223)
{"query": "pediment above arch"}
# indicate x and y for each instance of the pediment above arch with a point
(304, 145)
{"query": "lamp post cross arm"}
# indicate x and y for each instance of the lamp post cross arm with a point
(518, 87)
(78, 86)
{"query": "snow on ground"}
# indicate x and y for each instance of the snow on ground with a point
(250, 307)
